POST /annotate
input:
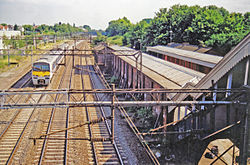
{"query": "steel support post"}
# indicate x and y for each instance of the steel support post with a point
(2, 100)
(8, 57)
(34, 42)
(105, 56)
(113, 114)
(164, 113)
(137, 76)
(64, 56)
(245, 141)
(73, 57)
(140, 55)
(233, 156)
(31, 56)
(228, 114)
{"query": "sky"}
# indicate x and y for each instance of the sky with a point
(97, 13)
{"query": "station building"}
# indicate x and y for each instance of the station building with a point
(181, 72)
(194, 60)
(153, 72)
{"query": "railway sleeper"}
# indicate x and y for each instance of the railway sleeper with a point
(106, 152)
(54, 153)
(107, 158)
(54, 157)
(4, 155)
(54, 161)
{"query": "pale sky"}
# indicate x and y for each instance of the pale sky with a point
(97, 13)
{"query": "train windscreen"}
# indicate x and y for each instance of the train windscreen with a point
(40, 67)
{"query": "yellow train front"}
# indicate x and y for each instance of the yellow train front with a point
(44, 68)
(41, 72)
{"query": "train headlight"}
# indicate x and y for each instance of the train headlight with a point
(35, 76)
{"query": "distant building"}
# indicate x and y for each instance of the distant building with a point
(194, 60)
(20, 28)
(4, 28)
(194, 48)
(10, 27)
(8, 34)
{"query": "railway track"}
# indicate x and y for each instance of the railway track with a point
(52, 149)
(104, 152)
(13, 129)
(12, 132)
(131, 124)
(81, 148)
(24, 81)
(12, 135)
(55, 148)
(59, 148)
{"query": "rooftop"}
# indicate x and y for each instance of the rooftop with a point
(165, 73)
(195, 57)
(186, 46)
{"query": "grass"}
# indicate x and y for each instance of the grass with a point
(14, 60)
(17, 59)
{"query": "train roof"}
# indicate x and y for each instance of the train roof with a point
(46, 58)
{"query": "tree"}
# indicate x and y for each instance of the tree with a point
(118, 27)
(87, 27)
(99, 38)
(15, 27)
(28, 27)
(137, 33)
(206, 26)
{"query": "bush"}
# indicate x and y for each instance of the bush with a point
(115, 40)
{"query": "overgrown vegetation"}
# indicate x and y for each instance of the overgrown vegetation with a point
(204, 26)
(16, 59)
(56, 29)
(16, 43)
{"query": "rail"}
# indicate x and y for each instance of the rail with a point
(111, 133)
(50, 121)
(130, 122)
(15, 117)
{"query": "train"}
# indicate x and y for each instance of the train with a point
(44, 68)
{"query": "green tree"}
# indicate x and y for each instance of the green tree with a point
(206, 26)
(118, 27)
(87, 27)
(99, 38)
(135, 37)
(28, 27)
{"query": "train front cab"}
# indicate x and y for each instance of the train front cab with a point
(41, 73)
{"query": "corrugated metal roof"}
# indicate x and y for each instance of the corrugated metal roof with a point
(99, 47)
(241, 51)
(195, 57)
(167, 74)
